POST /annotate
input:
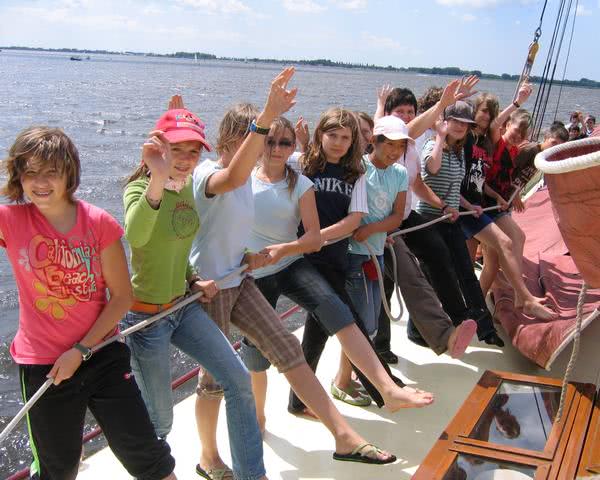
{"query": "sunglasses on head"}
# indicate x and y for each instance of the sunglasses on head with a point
(281, 143)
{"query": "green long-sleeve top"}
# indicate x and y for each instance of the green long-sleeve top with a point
(160, 241)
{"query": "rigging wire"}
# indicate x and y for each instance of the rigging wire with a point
(566, 60)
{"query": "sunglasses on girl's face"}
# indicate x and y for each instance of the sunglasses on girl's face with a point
(281, 143)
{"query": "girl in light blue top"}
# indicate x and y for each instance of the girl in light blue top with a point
(282, 199)
(387, 182)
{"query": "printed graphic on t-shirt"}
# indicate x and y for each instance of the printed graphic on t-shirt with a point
(329, 184)
(476, 175)
(66, 272)
(185, 220)
(381, 202)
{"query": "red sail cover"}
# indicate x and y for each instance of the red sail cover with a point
(549, 269)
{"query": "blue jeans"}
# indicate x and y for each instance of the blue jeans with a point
(364, 293)
(302, 284)
(192, 331)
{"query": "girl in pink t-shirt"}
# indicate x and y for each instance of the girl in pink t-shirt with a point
(66, 255)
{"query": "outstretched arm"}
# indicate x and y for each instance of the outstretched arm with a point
(236, 174)
(522, 96)
(456, 90)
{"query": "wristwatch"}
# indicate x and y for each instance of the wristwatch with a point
(86, 352)
(254, 127)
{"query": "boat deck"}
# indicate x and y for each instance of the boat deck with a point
(296, 448)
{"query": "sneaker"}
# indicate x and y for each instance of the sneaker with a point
(355, 398)
(389, 357)
(494, 339)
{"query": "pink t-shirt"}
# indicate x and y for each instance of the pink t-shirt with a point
(59, 277)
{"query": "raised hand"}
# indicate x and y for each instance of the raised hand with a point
(280, 100)
(156, 154)
(302, 134)
(176, 102)
(383, 93)
(465, 87)
(524, 92)
(441, 128)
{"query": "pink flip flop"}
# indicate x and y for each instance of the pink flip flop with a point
(464, 334)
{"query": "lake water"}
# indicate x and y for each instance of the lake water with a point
(108, 104)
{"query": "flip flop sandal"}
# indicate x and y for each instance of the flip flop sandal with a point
(464, 333)
(224, 473)
(357, 401)
(360, 455)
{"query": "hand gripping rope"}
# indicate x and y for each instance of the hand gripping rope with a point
(384, 301)
(118, 337)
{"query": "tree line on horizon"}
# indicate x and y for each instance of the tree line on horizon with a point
(322, 62)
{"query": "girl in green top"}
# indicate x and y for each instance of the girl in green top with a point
(160, 224)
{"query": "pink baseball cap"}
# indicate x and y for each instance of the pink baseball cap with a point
(392, 127)
(181, 125)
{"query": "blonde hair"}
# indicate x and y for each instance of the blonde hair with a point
(41, 146)
(280, 125)
(235, 125)
(521, 118)
(314, 160)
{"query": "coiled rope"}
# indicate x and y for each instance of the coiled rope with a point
(571, 164)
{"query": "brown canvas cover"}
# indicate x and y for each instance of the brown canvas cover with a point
(548, 269)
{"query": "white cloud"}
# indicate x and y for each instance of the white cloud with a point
(152, 10)
(303, 6)
(464, 17)
(350, 4)
(378, 42)
(469, 3)
(582, 11)
(217, 6)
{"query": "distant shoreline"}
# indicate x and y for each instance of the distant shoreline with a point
(452, 71)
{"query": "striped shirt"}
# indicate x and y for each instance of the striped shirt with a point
(446, 183)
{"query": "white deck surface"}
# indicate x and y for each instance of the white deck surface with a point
(295, 448)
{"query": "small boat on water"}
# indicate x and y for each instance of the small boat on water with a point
(76, 58)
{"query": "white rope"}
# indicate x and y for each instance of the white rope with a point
(572, 164)
(574, 353)
(386, 305)
(118, 337)
(13, 423)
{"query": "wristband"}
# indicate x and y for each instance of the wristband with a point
(86, 352)
(254, 127)
(517, 104)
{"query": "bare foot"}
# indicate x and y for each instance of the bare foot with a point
(538, 310)
(407, 397)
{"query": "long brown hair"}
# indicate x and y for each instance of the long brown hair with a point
(490, 101)
(41, 146)
(280, 125)
(314, 160)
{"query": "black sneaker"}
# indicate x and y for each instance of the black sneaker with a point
(389, 357)
(494, 339)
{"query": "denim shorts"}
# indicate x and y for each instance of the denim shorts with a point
(496, 214)
(472, 225)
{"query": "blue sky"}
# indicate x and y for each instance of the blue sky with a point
(488, 35)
